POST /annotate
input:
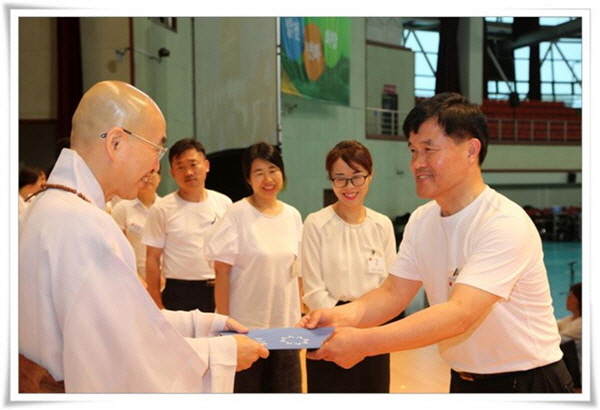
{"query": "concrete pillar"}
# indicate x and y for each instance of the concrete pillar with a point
(471, 48)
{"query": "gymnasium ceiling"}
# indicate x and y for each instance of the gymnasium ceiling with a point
(502, 32)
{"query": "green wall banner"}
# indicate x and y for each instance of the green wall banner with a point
(315, 57)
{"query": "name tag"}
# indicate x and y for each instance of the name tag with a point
(452, 279)
(135, 228)
(376, 265)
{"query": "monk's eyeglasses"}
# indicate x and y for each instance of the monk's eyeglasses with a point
(161, 150)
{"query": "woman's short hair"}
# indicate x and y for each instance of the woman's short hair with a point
(352, 153)
(29, 175)
(264, 151)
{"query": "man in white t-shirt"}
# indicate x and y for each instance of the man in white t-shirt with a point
(131, 214)
(175, 231)
(479, 257)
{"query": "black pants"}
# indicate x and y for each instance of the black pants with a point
(552, 378)
(278, 373)
(371, 375)
(189, 295)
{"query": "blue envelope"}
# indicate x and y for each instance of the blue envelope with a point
(285, 338)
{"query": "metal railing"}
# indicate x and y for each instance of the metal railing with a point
(385, 122)
(511, 130)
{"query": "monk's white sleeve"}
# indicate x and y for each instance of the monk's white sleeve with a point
(201, 331)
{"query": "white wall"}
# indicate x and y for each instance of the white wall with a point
(37, 68)
(168, 81)
(236, 81)
(101, 37)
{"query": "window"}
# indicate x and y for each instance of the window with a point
(560, 68)
(561, 71)
(560, 63)
(425, 45)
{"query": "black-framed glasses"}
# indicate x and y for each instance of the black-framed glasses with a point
(161, 150)
(341, 182)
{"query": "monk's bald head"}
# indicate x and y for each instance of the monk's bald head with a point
(108, 104)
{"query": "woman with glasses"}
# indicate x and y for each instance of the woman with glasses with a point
(254, 248)
(346, 251)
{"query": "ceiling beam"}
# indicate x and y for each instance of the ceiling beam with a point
(571, 28)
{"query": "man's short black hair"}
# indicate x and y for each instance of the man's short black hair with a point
(459, 118)
(183, 145)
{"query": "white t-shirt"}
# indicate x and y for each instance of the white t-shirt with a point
(341, 261)
(110, 205)
(570, 329)
(131, 216)
(492, 245)
(84, 315)
(179, 228)
(263, 251)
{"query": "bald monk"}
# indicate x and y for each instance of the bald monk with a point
(83, 314)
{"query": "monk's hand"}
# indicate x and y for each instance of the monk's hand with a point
(248, 351)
